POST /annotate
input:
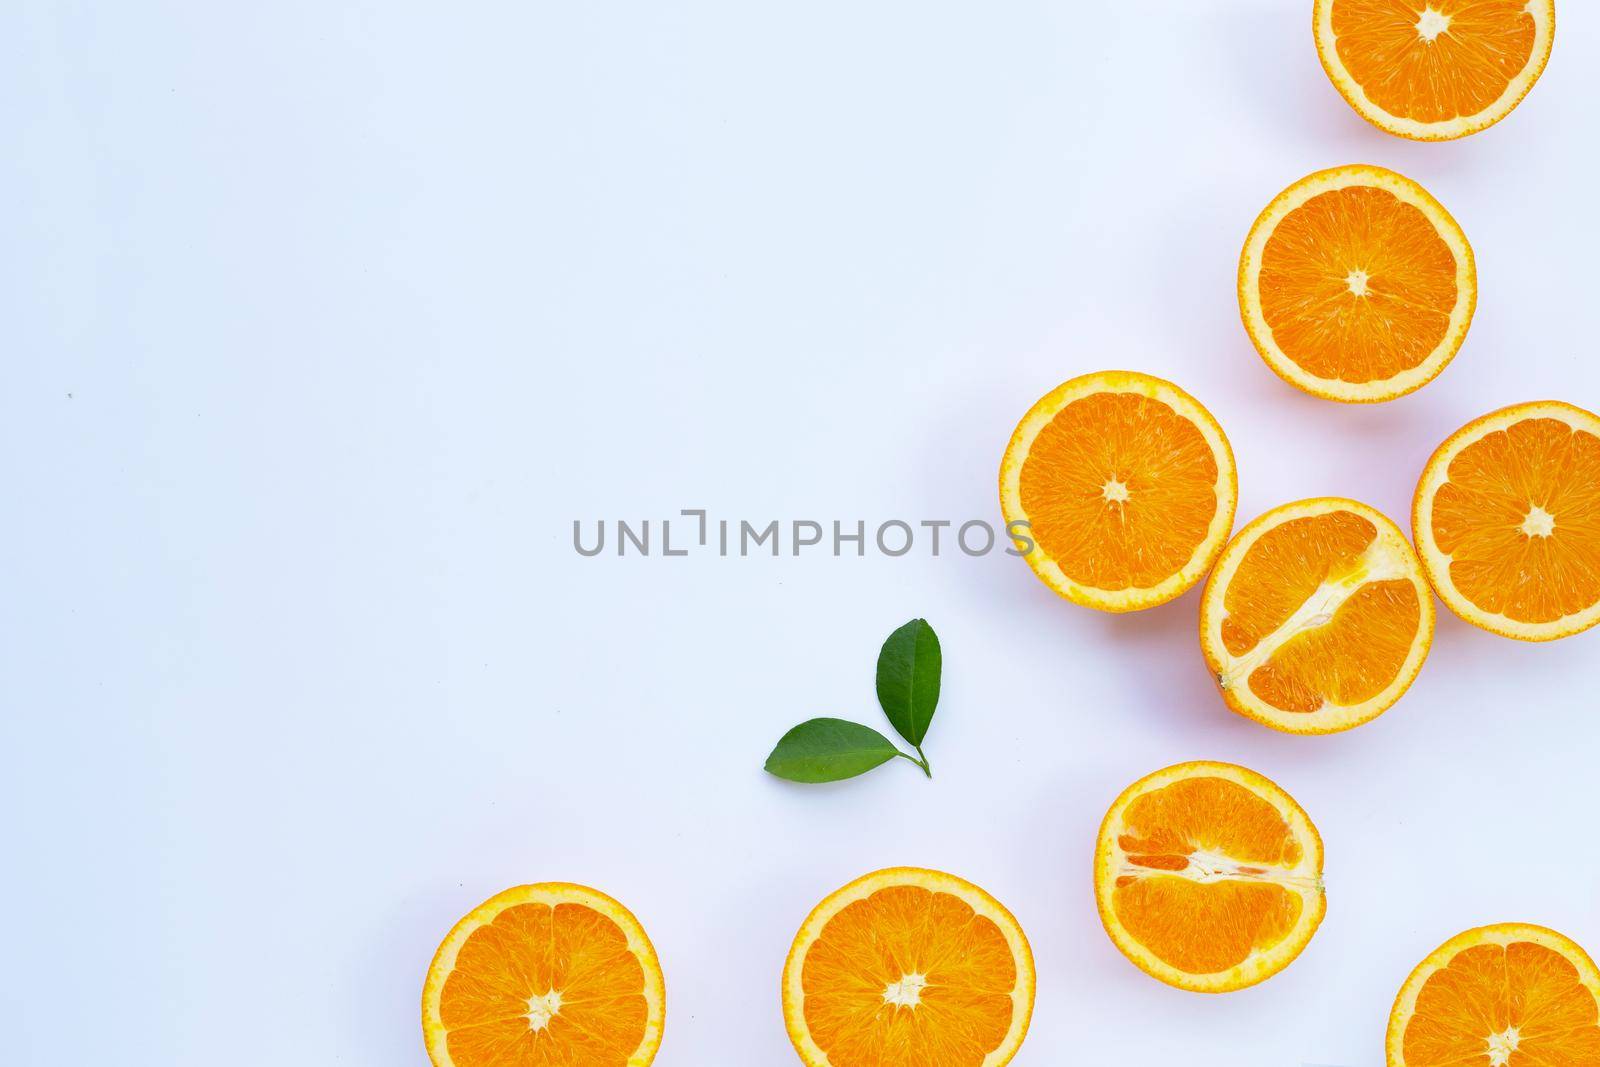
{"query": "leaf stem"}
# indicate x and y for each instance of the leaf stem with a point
(922, 762)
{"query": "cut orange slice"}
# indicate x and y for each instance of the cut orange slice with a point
(908, 968)
(1317, 618)
(1507, 521)
(1123, 489)
(1433, 70)
(1356, 285)
(1511, 995)
(1208, 876)
(549, 975)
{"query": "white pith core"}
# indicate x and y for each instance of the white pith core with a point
(1377, 564)
(1432, 24)
(1539, 523)
(1114, 491)
(907, 992)
(1356, 281)
(1502, 1045)
(542, 1009)
(1209, 867)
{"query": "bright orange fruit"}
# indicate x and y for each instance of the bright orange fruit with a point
(1433, 70)
(1126, 487)
(1208, 876)
(1511, 995)
(1507, 521)
(1317, 617)
(1356, 285)
(908, 968)
(549, 975)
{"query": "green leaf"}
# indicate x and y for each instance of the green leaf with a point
(908, 679)
(828, 750)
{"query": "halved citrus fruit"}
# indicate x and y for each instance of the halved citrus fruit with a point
(1317, 617)
(1125, 486)
(1510, 995)
(1208, 876)
(1507, 521)
(1433, 70)
(908, 968)
(1356, 285)
(549, 975)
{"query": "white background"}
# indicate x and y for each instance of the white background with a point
(322, 322)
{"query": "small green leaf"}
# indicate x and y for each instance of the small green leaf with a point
(908, 679)
(828, 750)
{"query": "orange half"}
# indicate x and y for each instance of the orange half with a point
(1209, 877)
(1356, 285)
(1317, 617)
(1507, 521)
(1122, 488)
(908, 968)
(1434, 70)
(1511, 995)
(549, 975)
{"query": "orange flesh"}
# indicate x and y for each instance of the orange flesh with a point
(962, 1012)
(1099, 448)
(1349, 659)
(532, 950)
(1357, 285)
(1480, 513)
(1471, 1007)
(1204, 928)
(1461, 71)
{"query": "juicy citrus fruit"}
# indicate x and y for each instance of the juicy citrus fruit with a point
(1126, 487)
(1433, 70)
(1507, 521)
(549, 975)
(1356, 285)
(1317, 617)
(1208, 876)
(908, 968)
(1511, 994)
